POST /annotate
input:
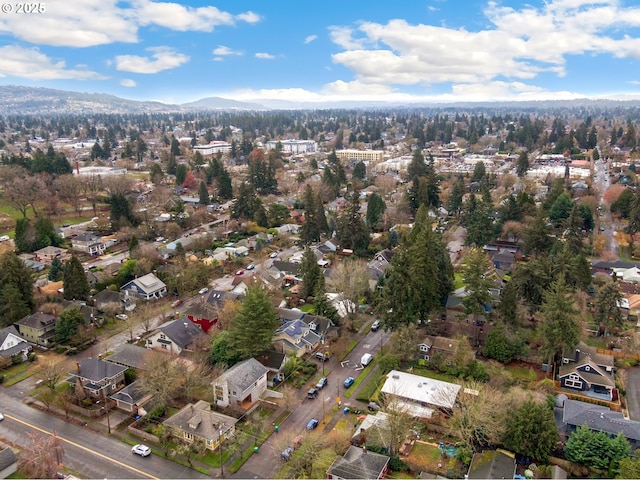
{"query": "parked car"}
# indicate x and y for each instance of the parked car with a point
(313, 423)
(375, 326)
(203, 290)
(239, 272)
(322, 383)
(273, 255)
(177, 303)
(141, 450)
(122, 316)
(286, 453)
(348, 382)
(373, 406)
(312, 393)
(366, 359)
(251, 266)
(321, 356)
(1, 417)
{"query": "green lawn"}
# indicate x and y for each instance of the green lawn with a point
(457, 280)
(521, 372)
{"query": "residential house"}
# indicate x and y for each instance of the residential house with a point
(241, 386)
(379, 264)
(8, 462)
(599, 418)
(492, 464)
(290, 314)
(108, 300)
(203, 314)
(320, 325)
(175, 336)
(421, 396)
(375, 430)
(147, 287)
(130, 356)
(359, 463)
(131, 398)
(38, 328)
(97, 377)
(274, 362)
(588, 372)
(47, 254)
(296, 337)
(198, 423)
(433, 345)
(88, 243)
(12, 344)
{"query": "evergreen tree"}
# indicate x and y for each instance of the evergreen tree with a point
(225, 188)
(254, 325)
(16, 289)
(181, 174)
(172, 165)
(321, 217)
(560, 209)
(474, 272)
(323, 307)
(537, 237)
(608, 302)
(531, 431)
(76, 286)
(522, 165)
(360, 171)
(310, 230)
(203, 194)
(479, 173)
(175, 147)
(375, 209)
(352, 232)
(247, 203)
(67, 324)
(559, 328)
(55, 272)
(595, 449)
(417, 167)
(456, 195)
(311, 273)
(121, 212)
(133, 243)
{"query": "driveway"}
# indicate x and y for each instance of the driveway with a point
(633, 393)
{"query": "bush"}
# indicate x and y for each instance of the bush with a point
(397, 465)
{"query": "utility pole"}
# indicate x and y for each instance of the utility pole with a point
(106, 407)
(220, 447)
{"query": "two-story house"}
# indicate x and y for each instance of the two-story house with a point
(359, 463)
(198, 423)
(12, 344)
(588, 372)
(88, 243)
(38, 328)
(241, 386)
(175, 336)
(98, 378)
(296, 337)
(47, 254)
(432, 345)
(147, 287)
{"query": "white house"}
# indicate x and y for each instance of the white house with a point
(241, 386)
(11, 343)
(420, 395)
(88, 244)
(175, 336)
(147, 287)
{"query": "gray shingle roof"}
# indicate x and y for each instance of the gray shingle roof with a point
(358, 463)
(597, 417)
(245, 374)
(200, 421)
(96, 370)
(130, 356)
(131, 394)
(492, 464)
(7, 458)
(181, 331)
(37, 320)
(4, 333)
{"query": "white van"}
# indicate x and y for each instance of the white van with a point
(366, 359)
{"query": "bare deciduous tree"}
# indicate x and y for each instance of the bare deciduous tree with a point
(42, 457)
(92, 186)
(404, 341)
(117, 184)
(69, 189)
(160, 379)
(351, 281)
(20, 189)
(51, 373)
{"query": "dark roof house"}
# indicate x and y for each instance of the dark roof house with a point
(175, 336)
(492, 464)
(359, 463)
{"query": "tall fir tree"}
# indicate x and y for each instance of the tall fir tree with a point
(76, 285)
(16, 289)
(352, 232)
(254, 325)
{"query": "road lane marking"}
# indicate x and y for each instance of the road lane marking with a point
(82, 447)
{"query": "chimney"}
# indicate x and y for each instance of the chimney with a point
(77, 167)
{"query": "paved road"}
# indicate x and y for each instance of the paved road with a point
(86, 452)
(632, 387)
(266, 463)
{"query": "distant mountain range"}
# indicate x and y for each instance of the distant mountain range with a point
(29, 100)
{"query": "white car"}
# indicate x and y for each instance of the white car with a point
(273, 255)
(122, 316)
(1, 417)
(203, 290)
(141, 450)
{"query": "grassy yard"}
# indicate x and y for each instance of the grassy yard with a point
(521, 372)
(457, 280)
(360, 378)
(425, 372)
(17, 373)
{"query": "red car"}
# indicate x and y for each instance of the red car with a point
(239, 272)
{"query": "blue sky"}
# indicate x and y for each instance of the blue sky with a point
(436, 50)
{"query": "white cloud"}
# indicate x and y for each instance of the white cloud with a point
(221, 50)
(127, 82)
(162, 58)
(89, 23)
(30, 63)
(519, 44)
(310, 39)
(265, 56)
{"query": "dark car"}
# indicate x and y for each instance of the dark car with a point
(313, 423)
(348, 382)
(313, 393)
(322, 383)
